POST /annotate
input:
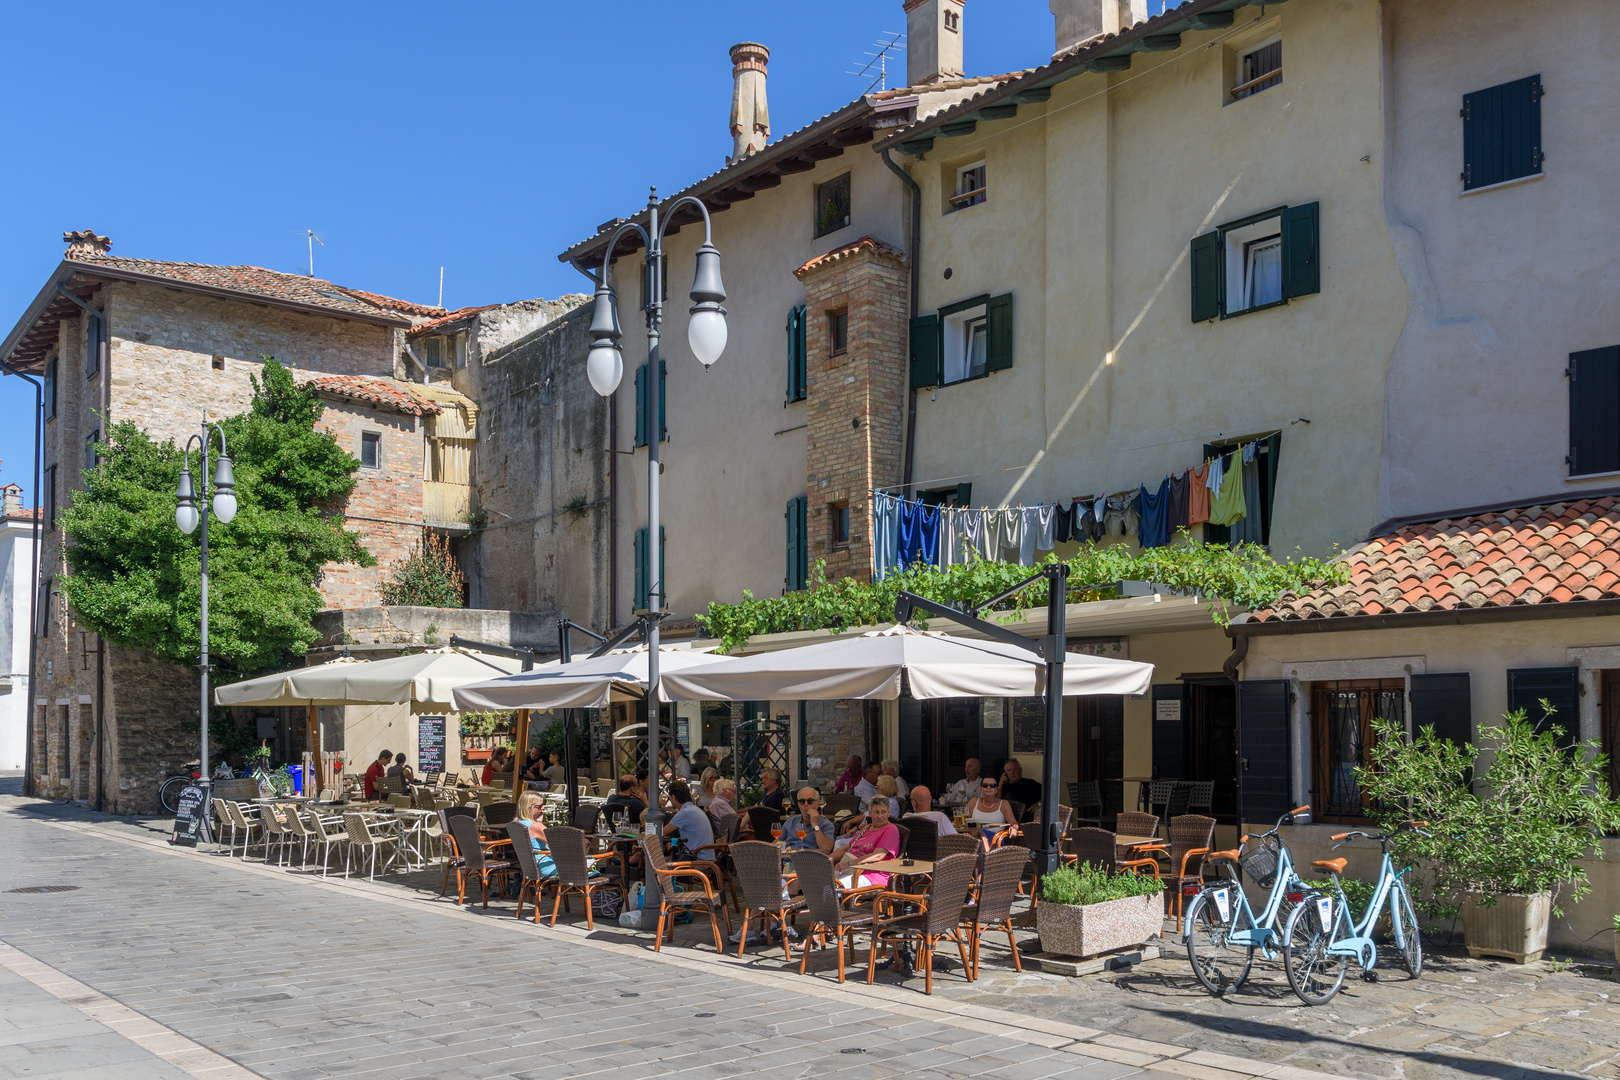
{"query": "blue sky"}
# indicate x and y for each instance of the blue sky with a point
(482, 138)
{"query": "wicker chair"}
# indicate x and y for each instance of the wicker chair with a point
(758, 871)
(922, 840)
(585, 818)
(954, 844)
(473, 861)
(1096, 847)
(825, 902)
(940, 919)
(760, 820)
(528, 866)
(570, 853)
(318, 829)
(362, 839)
(839, 801)
(998, 885)
(452, 854)
(1085, 796)
(497, 814)
(1134, 823)
(669, 900)
(1192, 836)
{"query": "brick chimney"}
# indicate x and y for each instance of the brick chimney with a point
(85, 242)
(750, 121)
(1081, 21)
(10, 500)
(933, 41)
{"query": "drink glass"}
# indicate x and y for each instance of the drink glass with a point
(776, 832)
(800, 833)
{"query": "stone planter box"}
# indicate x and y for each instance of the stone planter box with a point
(1514, 927)
(1098, 928)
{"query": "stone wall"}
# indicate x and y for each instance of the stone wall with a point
(833, 730)
(403, 626)
(385, 507)
(151, 727)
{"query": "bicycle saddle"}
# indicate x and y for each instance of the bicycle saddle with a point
(1224, 856)
(1329, 866)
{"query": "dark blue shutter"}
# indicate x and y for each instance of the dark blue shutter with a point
(1442, 702)
(1302, 269)
(1265, 739)
(998, 353)
(1206, 277)
(798, 544)
(641, 406)
(641, 570)
(925, 352)
(1502, 133)
(964, 494)
(1560, 687)
(1594, 411)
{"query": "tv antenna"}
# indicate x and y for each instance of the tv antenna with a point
(314, 238)
(878, 58)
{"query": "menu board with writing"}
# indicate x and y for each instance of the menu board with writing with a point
(191, 816)
(429, 744)
(1029, 725)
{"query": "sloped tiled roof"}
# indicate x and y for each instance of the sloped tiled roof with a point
(375, 393)
(868, 243)
(1547, 554)
(445, 320)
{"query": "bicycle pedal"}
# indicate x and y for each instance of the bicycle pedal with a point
(1369, 976)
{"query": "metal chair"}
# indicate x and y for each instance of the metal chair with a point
(318, 830)
(275, 833)
(940, 919)
(999, 883)
(1203, 797)
(1178, 804)
(825, 903)
(758, 869)
(670, 901)
(1158, 793)
(1085, 795)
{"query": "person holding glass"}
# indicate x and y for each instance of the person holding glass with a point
(808, 829)
(876, 840)
(990, 813)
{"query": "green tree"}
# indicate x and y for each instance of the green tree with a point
(135, 577)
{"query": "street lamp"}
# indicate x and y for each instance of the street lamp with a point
(604, 366)
(189, 512)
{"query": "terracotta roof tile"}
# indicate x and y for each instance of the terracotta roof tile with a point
(375, 393)
(1549, 554)
(868, 243)
(445, 320)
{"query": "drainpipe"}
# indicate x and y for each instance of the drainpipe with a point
(1240, 649)
(916, 270)
(33, 590)
(613, 483)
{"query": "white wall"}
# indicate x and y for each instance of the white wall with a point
(16, 587)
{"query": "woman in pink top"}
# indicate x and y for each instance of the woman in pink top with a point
(874, 841)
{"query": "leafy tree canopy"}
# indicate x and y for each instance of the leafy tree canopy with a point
(135, 577)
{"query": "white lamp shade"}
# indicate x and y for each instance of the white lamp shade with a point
(224, 506)
(706, 333)
(604, 367)
(185, 516)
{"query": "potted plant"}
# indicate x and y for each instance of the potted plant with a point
(1508, 858)
(1089, 911)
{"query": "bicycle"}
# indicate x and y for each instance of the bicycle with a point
(169, 791)
(1320, 940)
(1221, 924)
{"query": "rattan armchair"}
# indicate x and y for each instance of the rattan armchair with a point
(998, 885)
(939, 920)
(473, 860)
(758, 870)
(670, 901)
(1192, 837)
(829, 906)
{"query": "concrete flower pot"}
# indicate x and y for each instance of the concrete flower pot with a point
(1617, 946)
(1515, 926)
(1068, 930)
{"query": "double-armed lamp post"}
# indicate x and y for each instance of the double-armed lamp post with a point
(191, 509)
(706, 334)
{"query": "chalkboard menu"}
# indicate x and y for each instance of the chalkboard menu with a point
(429, 744)
(1029, 725)
(191, 818)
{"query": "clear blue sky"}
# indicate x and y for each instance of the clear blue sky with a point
(482, 138)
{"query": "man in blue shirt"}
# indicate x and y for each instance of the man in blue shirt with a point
(689, 821)
(818, 830)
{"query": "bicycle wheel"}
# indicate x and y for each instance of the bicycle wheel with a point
(1219, 965)
(169, 793)
(1406, 929)
(1315, 975)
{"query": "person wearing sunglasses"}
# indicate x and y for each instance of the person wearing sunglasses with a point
(817, 829)
(989, 808)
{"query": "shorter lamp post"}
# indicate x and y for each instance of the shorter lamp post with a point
(189, 512)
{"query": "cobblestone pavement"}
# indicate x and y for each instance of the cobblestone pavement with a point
(431, 981)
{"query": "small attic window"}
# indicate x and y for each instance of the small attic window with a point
(335, 296)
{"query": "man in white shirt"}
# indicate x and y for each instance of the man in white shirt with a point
(868, 785)
(964, 791)
(922, 805)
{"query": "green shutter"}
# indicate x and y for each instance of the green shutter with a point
(663, 400)
(641, 405)
(1594, 411)
(998, 353)
(964, 494)
(1302, 266)
(797, 544)
(796, 380)
(50, 390)
(641, 570)
(925, 352)
(1206, 277)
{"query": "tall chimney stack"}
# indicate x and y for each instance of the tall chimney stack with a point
(933, 41)
(1078, 21)
(750, 121)
(85, 242)
(10, 500)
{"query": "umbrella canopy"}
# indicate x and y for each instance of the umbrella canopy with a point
(592, 683)
(423, 679)
(869, 666)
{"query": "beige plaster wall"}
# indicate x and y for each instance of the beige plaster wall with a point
(1093, 198)
(1503, 284)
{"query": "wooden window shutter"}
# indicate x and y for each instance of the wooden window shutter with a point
(925, 352)
(50, 390)
(1502, 133)
(1594, 411)
(1206, 277)
(964, 494)
(1442, 702)
(1560, 688)
(641, 569)
(998, 353)
(1265, 755)
(797, 544)
(797, 352)
(1302, 265)
(641, 405)
(92, 345)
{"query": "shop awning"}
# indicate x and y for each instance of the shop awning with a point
(591, 683)
(423, 679)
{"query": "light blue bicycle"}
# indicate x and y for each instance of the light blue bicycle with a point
(1321, 942)
(1223, 931)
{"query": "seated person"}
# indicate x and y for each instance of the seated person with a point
(922, 805)
(868, 785)
(528, 815)
(625, 806)
(689, 822)
(499, 764)
(720, 801)
(959, 793)
(989, 810)
(534, 768)
(886, 790)
(705, 789)
(555, 771)
(849, 777)
(876, 840)
(817, 828)
(771, 780)
(1020, 788)
(891, 767)
(403, 771)
(375, 772)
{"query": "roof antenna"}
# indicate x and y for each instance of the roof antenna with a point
(889, 43)
(441, 286)
(314, 238)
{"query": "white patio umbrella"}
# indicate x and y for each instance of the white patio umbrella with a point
(591, 683)
(423, 679)
(869, 666)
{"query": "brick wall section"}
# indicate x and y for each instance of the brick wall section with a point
(856, 415)
(385, 507)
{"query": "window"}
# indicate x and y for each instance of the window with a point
(371, 449)
(953, 21)
(838, 332)
(832, 205)
(459, 343)
(1256, 262)
(838, 524)
(1258, 68)
(796, 354)
(50, 390)
(1255, 525)
(641, 404)
(1560, 688)
(960, 495)
(970, 186)
(963, 341)
(1594, 411)
(44, 627)
(90, 442)
(94, 338)
(433, 352)
(217, 363)
(645, 587)
(1342, 734)
(50, 498)
(1502, 133)
(798, 545)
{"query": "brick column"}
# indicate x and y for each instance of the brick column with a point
(857, 398)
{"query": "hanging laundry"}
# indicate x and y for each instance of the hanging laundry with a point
(1155, 514)
(919, 534)
(1037, 533)
(1175, 514)
(1198, 495)
(885, 534)
(1250, 530)
(949, 538)
(1212, 479)
(1099, 516)
(1063, 523)
(1228, 505)
(1122, 515)
(971, 524)
(1006, 529)
(907, 534)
